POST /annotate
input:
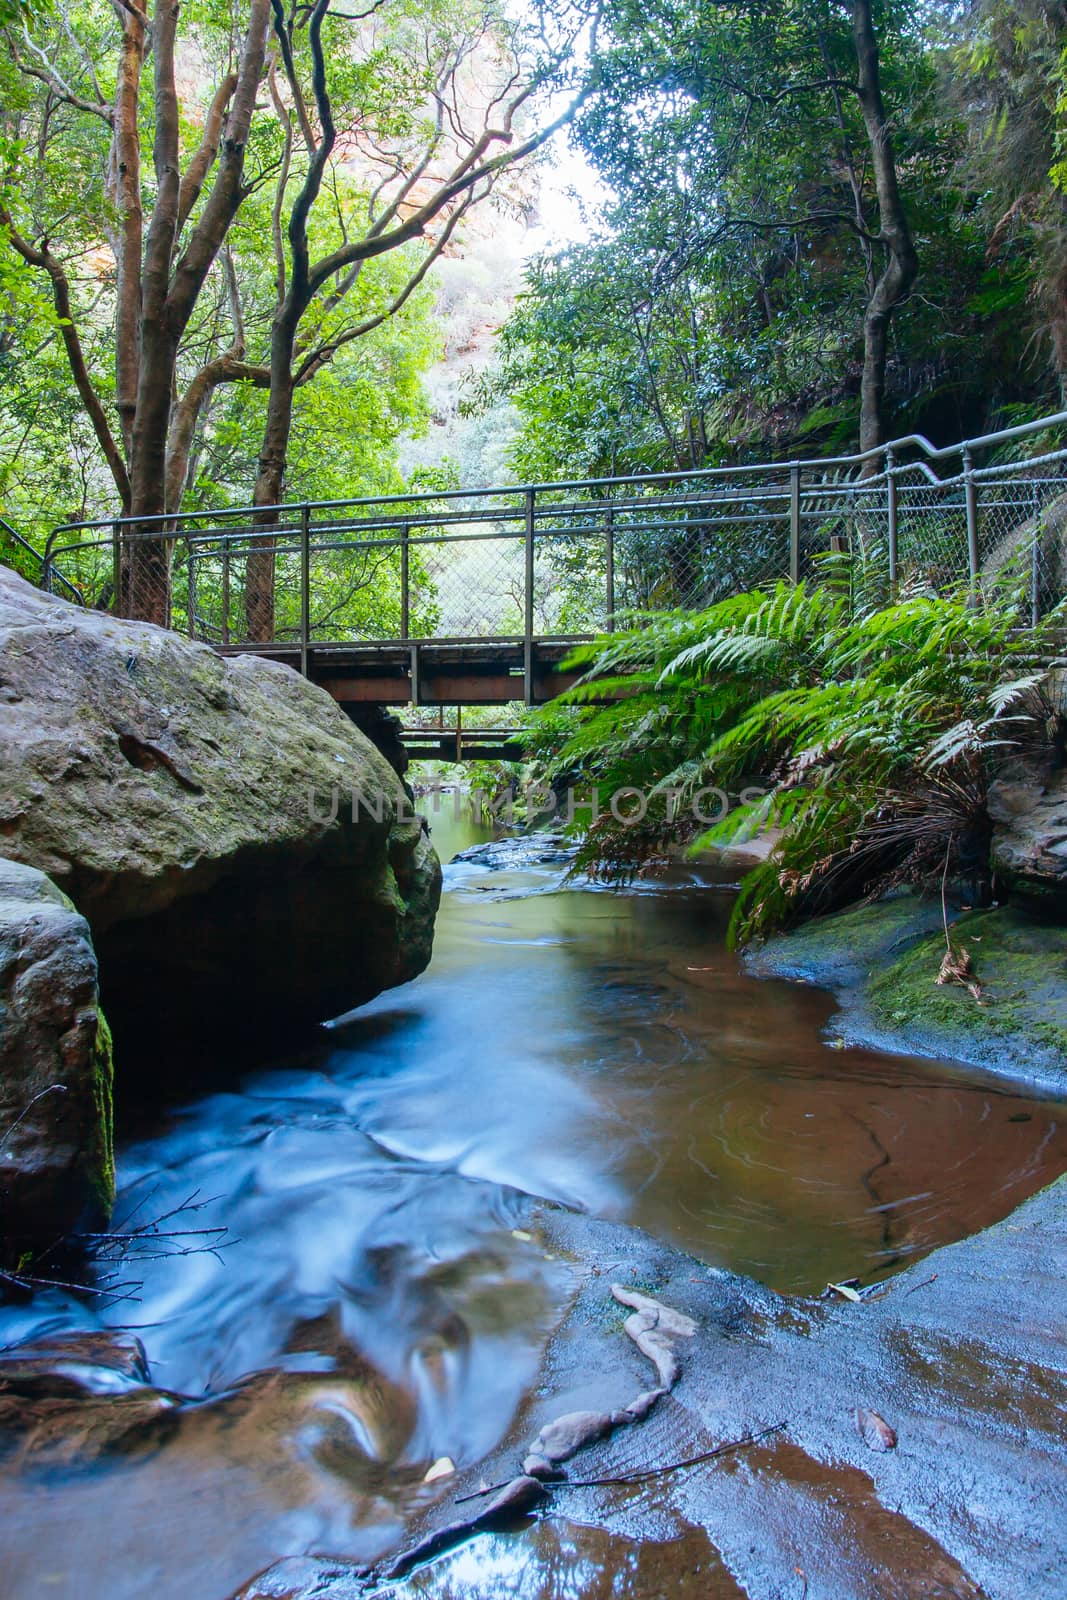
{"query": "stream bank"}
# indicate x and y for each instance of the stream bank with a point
(244, 859)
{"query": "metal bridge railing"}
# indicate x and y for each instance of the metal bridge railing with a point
(20, 553)
(559, 560)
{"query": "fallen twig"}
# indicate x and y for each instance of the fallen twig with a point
(635, 1477)
(116, 1293)
(670, 1466)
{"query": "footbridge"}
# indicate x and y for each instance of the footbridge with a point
(476, 597)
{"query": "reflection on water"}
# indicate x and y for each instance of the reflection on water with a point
(550, 1562)
(379, 1303)
(603, 1050)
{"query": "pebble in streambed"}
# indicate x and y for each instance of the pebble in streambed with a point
(652, 1326)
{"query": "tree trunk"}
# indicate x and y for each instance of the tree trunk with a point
(270, 483)
(124, 190)
(902, 265)
(146, 581)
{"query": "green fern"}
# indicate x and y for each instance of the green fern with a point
(874, 729)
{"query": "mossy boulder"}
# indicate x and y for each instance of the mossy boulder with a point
(55, 1068)
(184, 803)
(845, 948)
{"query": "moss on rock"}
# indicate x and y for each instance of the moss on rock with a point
(100, 1163)
(56, 1167)
(882, 960)
(845, 948)
(1021, 963)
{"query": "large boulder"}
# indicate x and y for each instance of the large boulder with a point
(55, 1068)
(184, 802)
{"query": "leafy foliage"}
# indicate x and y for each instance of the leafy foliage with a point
(865, 741)
(718, 308)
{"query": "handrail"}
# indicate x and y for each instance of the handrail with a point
(24, 544)
(891, 448)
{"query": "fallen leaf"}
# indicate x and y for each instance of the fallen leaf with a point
(443, 1467)
(957, 967)
(520, 1233)
(845, 1292)
(874, 1430)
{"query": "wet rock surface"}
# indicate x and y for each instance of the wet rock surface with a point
(1029, 811)
(55, 1068)
(522, 851)
(964, 1356)
(169, 793)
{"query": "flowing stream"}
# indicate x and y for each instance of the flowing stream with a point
(378, 1303)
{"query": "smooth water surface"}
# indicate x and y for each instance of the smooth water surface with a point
(378, 1302)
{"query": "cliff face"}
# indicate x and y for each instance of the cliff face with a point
(182, 801)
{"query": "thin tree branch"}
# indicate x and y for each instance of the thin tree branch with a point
(45, 261)
(208, 149)
(469, 174)
(47, 74)
(317, 359)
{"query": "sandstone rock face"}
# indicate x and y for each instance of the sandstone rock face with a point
(1030, 830)
(184, 802)
(55, 1068)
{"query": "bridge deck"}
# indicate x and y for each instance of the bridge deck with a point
(439, 672)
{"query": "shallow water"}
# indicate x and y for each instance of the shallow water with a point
(378, 1302)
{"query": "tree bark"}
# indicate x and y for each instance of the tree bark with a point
(124, 187)
(902, 266)
(270, 483)
(146, 572)
(169, 292)
(270, 479)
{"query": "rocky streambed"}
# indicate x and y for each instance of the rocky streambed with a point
(419, 1222)
(964, 1356)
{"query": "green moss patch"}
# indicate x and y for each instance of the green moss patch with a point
(1020, 962)
(845, 948)
(101, 1155)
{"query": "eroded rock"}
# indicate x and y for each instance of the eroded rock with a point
(652, 1328)
(55, 1068)
(1030, 830)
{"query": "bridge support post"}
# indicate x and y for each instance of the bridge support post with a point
(305, 585)
(226, 589)
(609, 538)
(1035, 557)
(116, 568)
(970, 494)
(528, 618)
(891, 496)
(794, 523)
(405, 583)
